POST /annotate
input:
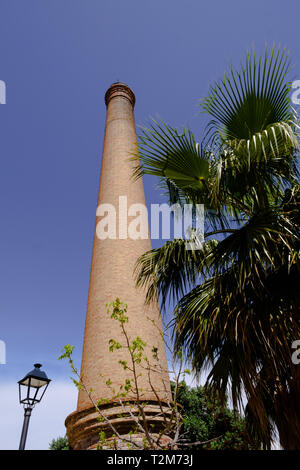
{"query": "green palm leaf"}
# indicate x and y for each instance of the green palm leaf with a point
(166, 153)
(173, 268)
(246, 103)
(256, 125)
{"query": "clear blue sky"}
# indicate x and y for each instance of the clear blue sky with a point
(58, 57)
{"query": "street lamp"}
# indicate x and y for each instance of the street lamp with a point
(31, 390)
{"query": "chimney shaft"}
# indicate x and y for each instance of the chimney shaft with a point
(111, 276)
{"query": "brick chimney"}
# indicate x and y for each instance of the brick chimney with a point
(111, 277)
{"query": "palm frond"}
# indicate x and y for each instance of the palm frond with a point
(233, 336)
(169, 271)
(166, 153)
(246, 103)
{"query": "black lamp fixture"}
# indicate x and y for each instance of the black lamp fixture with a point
(31, 390)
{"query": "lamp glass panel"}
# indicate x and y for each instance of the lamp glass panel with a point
(36, 383)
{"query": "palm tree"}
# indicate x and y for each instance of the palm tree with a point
(237, 297)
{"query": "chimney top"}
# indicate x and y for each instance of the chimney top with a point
(119, 89)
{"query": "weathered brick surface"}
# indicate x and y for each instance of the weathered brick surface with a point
(112, 268)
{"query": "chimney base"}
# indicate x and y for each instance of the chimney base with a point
(83, 427)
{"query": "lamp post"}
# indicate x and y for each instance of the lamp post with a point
(31, 390)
